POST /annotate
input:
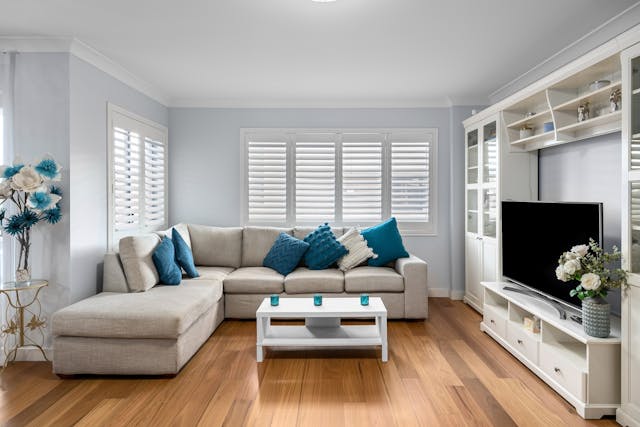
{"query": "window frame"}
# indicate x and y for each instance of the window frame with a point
(419, 228)
(147, 129)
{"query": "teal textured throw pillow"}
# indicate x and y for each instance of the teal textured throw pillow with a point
(285, 254)
(385, 240)
(324, 248)
(184, 256)
(164, 258)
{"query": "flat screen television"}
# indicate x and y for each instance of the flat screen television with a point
(535, 234)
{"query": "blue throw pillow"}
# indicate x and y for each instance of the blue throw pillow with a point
(184, 256)
(164, 258)
(385, 240)
(285, 254)
(324, 248)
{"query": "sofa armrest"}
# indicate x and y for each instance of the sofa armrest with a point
(414, 272)
(113, 278)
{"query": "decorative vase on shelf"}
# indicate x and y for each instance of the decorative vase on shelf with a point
(23, 273)
(596, 317)
(29, 195)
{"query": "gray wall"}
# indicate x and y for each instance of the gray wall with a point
(208, 139)
(91, 90)
(61, 109)
(587, 171)
(41, 125)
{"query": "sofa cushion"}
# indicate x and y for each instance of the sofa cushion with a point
(161, 312)
(385, 240)
(373, 279)
(256, 243)
(324, 249)
(358, 253)
(302, 232)
(216, 246)
(303, 280)
(164, 258)
(217, 273)
(136, 255)
(183, 254)
(285, 254)
(181, 228)
(254, 280)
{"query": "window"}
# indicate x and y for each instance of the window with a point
(346, 177)
(137, 175)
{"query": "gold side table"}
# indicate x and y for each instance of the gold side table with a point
(23, 304)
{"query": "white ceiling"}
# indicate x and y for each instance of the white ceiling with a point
(300, 53)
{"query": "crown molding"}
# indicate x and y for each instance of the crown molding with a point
(297, 103)
(86, 53)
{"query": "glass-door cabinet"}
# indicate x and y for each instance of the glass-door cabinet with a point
(481, 207)
(629, 411)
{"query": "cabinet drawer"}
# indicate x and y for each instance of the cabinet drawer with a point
(494, 321)
(522, 341)
(563, 372)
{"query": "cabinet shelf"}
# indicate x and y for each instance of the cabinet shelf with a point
(538, 117)
(575, 102)
(533, 138)
(595, 121)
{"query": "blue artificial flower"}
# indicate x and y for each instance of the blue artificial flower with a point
(11, 171)
(21, 221)
(41, 201)
(52, 216)
(56, 190)
(48, 168)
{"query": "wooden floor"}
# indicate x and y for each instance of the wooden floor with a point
(440, 372)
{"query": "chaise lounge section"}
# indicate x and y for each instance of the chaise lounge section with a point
(123, 331)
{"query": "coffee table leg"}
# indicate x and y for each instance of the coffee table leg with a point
(260, 321)
(382, 326)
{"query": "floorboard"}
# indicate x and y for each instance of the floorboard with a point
(441, 372)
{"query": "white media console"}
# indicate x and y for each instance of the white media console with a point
(582, 369)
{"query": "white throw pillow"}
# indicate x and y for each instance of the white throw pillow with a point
(359, 252)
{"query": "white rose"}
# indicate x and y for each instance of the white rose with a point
(27, 180)
(590, 281)
(570, 267)
(580, 250)
(561, 274)
(568, 256)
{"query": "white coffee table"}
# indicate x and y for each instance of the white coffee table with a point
(322, 324)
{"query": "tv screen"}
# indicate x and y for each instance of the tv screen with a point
(535, 234)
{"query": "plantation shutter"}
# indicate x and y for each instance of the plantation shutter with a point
(410, 177)
(154, 183)
(137, 175)
(126, 179)
(267, 179)
(315, 177)
(362, 156)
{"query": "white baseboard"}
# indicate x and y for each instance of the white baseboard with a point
(439, 293)
(457, 295)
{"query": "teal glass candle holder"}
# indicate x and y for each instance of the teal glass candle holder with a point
(364, 299)
(275, 299)
(317, 300)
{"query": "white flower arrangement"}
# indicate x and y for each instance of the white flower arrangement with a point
(589, 265)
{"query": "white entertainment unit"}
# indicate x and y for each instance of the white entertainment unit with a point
(582, 369)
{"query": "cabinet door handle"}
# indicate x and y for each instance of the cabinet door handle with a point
(519, 341)
(557, 370)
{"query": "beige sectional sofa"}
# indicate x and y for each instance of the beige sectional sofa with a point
(124, 332)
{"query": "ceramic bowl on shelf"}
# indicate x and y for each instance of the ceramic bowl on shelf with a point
(599, 84)
(525, 132)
